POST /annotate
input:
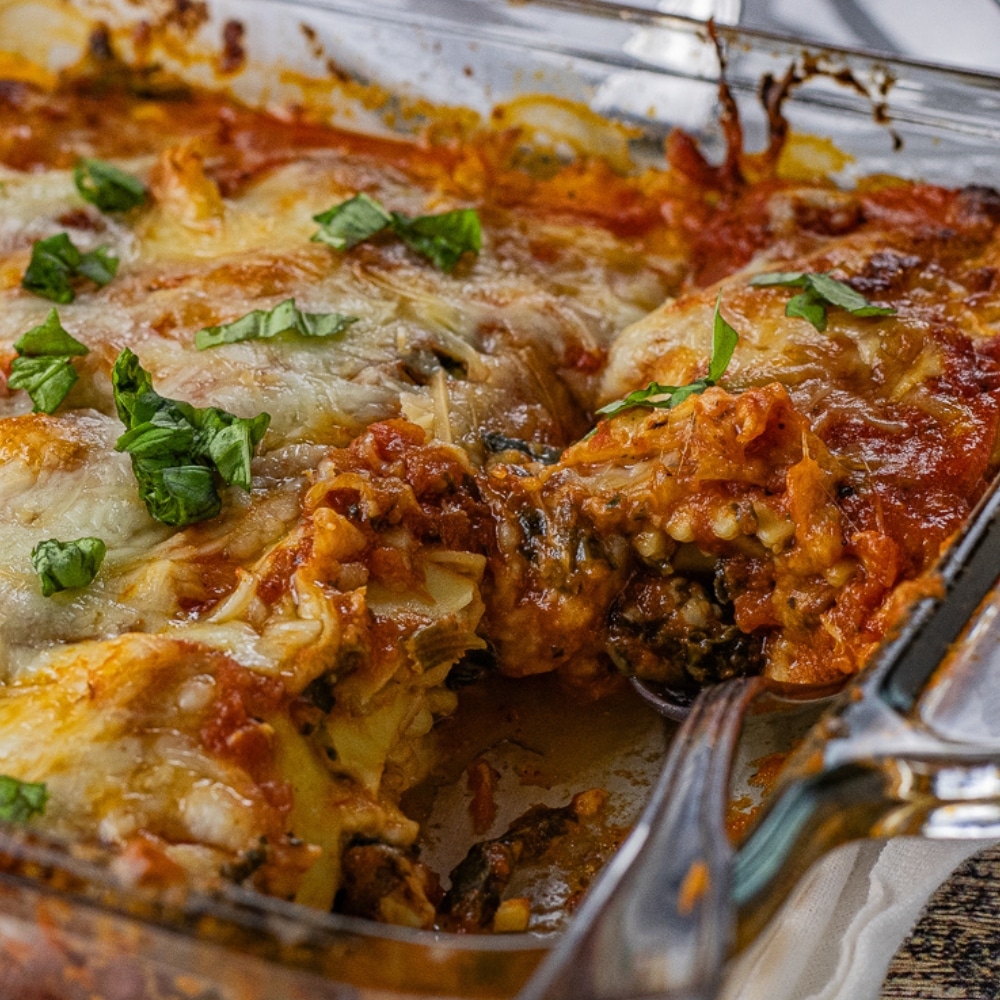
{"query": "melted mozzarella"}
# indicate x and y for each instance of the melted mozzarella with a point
(150, 745)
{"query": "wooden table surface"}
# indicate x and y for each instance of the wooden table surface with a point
(954, 951)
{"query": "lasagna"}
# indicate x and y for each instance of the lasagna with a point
(302, 429)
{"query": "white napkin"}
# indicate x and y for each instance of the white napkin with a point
(838, 932)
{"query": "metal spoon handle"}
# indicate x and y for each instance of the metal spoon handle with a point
(658, 921)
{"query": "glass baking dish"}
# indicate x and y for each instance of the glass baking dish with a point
(67, 927)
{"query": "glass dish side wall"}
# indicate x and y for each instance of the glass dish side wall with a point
(653, 73)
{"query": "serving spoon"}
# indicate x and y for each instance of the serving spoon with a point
(677, 900)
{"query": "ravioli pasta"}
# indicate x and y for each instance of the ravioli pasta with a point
(246, 698)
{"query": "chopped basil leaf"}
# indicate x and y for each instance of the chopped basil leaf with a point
(55, 262)
(351, 222)
(20, 800)
(98, 265)
(724, 341)
(230, 442)
(820, 291)
(788, 279)
(130, 382)
(42, 367)
(177, 494)
(165, 431)
(46, 380)
(49, 339)
(838, 294)
(655, 396)
(178, 449)
(263, 324)
(666, 397)
(443, 239)
(66, 565)
(806, 306)
(108, 187)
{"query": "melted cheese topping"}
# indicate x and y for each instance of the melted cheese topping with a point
(245, 698)
(266, 677)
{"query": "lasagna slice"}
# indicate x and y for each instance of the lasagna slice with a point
(899, 417)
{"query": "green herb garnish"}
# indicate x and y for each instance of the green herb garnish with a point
(108, 187)
(56, 262)
(67, 565)
(442, 239)
(263, 324)
(43, 368)
(177, 449)
(20, 800)
(820, 292)
(351, 222)
(666, 397)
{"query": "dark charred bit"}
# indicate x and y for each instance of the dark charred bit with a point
(320, 692)
(475, 666)
(315, 45)
(187, 15)
(773, 94)
(979, 206)
(103, 71)
(309, 710)
(319, 52)
(670, 631)
(880, 107)
(533, 831)
(421, 365)
(730, 173)
(233, 55)
(247, 863)
(534, 531)
(99, 44)
(883, 271)
(497, 444)
(477, 886)
(387, 884)
(479, 880)
(454, 367)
